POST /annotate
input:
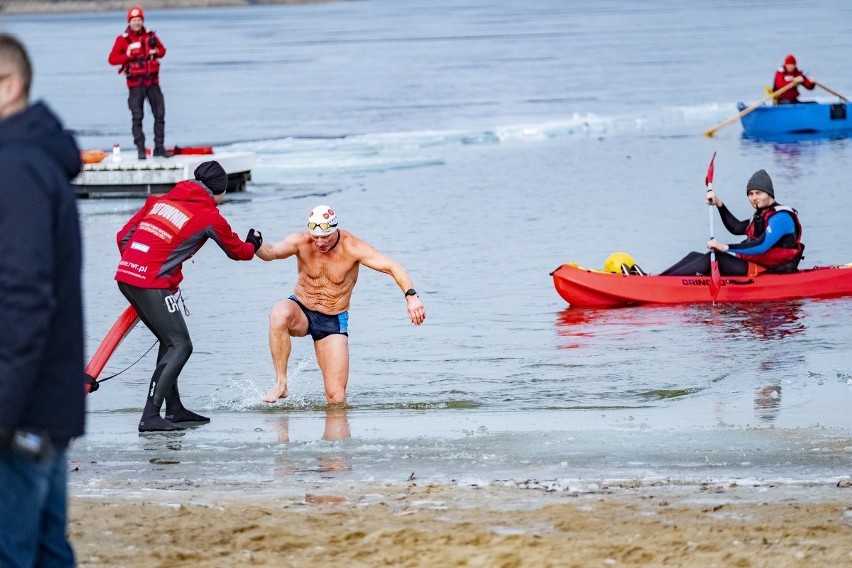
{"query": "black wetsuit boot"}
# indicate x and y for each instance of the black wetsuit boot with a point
(151, 420)
(176, 412)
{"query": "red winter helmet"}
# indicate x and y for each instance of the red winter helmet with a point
(135, 12)
(790, 60)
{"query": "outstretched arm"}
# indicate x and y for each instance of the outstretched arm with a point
(275, 251)
(371, 258)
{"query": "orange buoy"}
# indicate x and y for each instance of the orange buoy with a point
(92, 156)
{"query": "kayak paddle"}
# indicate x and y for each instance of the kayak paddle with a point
(715, 277)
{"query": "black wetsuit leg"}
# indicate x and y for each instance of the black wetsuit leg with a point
(698, 264)
(175, 410)
(731, 265)
(159, 311)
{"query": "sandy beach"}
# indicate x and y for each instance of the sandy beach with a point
(66, 6)
(439, 525)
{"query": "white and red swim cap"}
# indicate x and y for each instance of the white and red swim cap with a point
(322, 221)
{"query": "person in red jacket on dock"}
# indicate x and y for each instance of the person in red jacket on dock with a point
(790, 73)
(154, 243)
(137, 52)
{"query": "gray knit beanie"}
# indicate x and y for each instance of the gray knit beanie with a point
(761, 180)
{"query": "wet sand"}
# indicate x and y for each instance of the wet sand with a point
(67, 6)
(449, 525)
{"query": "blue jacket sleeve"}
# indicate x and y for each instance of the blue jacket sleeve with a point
(780, 224)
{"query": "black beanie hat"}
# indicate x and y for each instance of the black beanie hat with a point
(761, 180)
(213, 176)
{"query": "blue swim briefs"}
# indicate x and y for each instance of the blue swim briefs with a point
(322, 325)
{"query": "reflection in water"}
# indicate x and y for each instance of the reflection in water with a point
(571, 325)
(581, 326)
(336, 428)
(771, 321)
(638, 342)
(793, 151)
(767, 403)
(336, 424)
(765, 321)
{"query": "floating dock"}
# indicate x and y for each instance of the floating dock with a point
(131, 177)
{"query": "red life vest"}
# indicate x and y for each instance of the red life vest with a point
(783, 78)
(141, 64)
(785, 250)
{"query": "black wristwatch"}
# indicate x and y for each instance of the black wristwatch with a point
(410, 292)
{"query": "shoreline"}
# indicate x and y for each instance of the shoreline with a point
(408, 524)
(31, 7)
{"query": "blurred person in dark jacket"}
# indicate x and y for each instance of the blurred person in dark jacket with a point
(42, 381)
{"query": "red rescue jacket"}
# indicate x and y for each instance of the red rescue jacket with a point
(139, 55)
(168, 230)
(783, 78)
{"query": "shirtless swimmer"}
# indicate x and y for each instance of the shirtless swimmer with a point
(327, 260)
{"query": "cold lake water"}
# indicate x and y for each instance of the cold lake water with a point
(481, 144)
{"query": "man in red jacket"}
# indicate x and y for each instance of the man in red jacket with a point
(787, 74)
(138, 52)
(154, 243)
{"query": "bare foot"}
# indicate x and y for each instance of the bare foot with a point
(275, 393)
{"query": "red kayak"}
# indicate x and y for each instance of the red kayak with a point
(588, 288)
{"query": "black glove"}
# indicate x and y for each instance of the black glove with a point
(255, 238)
(152, 40)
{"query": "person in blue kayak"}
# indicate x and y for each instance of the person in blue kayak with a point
(790, 73)
(773, 237)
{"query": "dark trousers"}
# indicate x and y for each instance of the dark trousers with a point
(33, 510)
(159, 311)
(698, 264)
(136, 101)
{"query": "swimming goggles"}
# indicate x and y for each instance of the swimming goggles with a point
(324, 226)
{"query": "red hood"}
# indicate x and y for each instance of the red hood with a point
(193, 191)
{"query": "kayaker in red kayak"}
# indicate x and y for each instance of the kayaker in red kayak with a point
(790, 73)
(773, 237)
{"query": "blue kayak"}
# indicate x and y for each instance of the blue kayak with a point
(803, 118)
